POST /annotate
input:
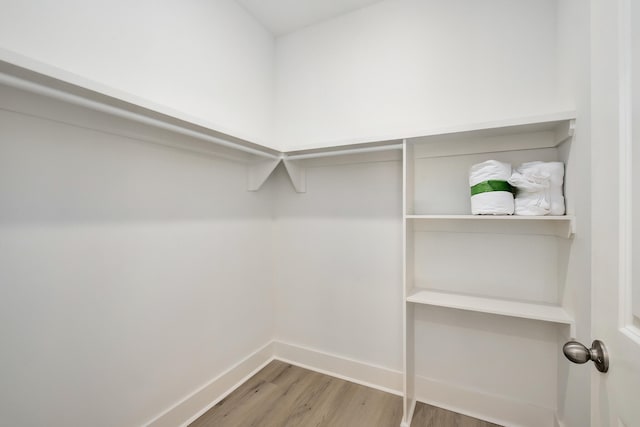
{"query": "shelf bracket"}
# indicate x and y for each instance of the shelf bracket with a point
(572, 329)
(259, 172)
(297, 174)
(572, 228)
(568, 229)
(565, 132)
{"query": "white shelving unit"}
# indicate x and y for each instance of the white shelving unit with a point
(511, 266)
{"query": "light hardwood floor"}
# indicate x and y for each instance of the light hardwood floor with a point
(285, 395)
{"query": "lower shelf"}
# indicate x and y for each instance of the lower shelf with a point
(525, 310)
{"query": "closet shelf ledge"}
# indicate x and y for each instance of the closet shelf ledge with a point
(501, 307)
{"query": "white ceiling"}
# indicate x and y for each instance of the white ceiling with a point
(285, 16)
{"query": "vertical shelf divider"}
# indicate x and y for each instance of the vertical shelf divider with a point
(409, 395)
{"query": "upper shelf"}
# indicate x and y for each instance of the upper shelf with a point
(535, 132)
(19, 71)
(32, 76)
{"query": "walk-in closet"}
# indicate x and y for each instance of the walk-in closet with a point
(357, 213)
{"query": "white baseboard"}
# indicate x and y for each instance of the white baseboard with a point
(197, 403)
(341, 367)
(474, 403)
(485, 406)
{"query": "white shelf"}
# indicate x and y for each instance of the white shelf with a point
(19, 74)
(34, 77)
(510, 135)
(536, 122)
(547, 121)
(563, 226)
(567, 218)
(543, 312)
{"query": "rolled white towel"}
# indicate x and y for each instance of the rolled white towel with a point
(539, 187)
(556, 170)
(490, 192)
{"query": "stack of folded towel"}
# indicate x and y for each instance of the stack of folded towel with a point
(539, 186)
(491, 194)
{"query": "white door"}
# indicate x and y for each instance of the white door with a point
(616, 209)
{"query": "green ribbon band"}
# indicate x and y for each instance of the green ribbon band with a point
(491, 185)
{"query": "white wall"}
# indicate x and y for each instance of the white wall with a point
(125, 284)
(402, 66)
(206, 58)
(339, 271)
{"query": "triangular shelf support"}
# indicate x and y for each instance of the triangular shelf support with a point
(259, 172)
(297, 174)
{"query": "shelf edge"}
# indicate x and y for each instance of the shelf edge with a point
(564, 319)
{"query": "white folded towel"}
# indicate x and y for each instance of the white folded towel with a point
(539, 187)
(490, 192)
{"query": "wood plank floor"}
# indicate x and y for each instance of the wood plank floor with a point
(283, 395)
